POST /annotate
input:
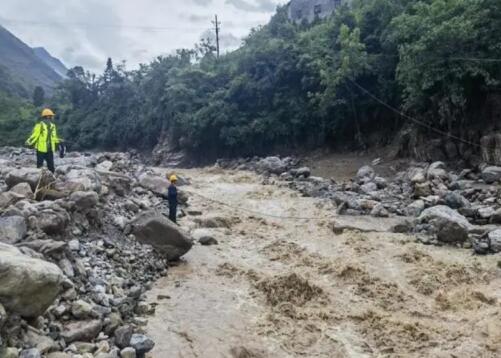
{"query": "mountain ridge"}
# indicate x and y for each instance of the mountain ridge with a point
(25, 68)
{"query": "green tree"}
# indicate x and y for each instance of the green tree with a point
(38, 96)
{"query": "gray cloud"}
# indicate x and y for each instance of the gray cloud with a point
(88, 32)
(256, 5)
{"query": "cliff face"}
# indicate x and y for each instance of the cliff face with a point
(306, 10)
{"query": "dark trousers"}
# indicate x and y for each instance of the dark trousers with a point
(173, 212)
(47, 157)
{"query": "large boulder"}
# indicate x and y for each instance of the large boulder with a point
(272, 165)
(166, 237)
(51, 218)
(23, 189)
(154, 183)
(491, 174)
(450, 226)
(82, 180)
(12, 229)
(23, 175)
(28, 286)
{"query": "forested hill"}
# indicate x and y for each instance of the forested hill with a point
(331, 83)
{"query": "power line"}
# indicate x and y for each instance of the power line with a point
(417, 121)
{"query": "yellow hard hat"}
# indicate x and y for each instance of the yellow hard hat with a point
(173, 178)
(47, 113)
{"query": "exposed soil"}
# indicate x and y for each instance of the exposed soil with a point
(293, 288)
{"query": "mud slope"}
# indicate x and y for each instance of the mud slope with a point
(292, 288)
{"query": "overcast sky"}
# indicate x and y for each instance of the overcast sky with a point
(86, 32)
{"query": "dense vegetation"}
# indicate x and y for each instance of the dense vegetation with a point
(300, 86)
(16, 119)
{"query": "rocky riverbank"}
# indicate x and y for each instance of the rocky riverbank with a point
(74, 258)
(439, 205)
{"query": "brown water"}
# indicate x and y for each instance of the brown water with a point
(292, 288)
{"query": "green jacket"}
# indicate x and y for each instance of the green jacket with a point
(44, 137)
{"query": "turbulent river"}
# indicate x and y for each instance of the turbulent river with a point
(292, 288)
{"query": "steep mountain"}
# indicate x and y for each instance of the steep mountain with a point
(23, 69)
(51, 61)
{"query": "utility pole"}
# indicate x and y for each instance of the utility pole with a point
(217, 28)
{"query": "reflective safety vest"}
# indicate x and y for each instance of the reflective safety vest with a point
(44, 137)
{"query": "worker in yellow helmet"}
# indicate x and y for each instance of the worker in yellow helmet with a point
(172, 198)
(44, 139)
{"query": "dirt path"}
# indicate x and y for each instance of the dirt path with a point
(291, 288)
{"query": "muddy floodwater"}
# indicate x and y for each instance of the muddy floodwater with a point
(292, 288)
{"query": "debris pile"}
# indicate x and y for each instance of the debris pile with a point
(74, 275)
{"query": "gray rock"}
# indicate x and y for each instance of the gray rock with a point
(437, 170)
(481, 247)
(65, 265)
(367, 224)
(30, 353)
(81, 331)
(84, 347)
(141, 343)
(485, 212)
(215, 221)
(303, 172)
(128, 352)
(365, 172)
(39, 341)
(495, 240)
(491, 174)
(23, 189)
(8, 198)
(207, 240)
(455, 200)
(123, 335)
(74, 245)
(451, 227)
(23, 175)
(380, 211)
(381, 182)
(51, 218)
(368, 187)
(154, 183)
(81, 309)
(496, 217)
(272, 165)
(12, 229)
(165, 236)
(415, 208)
(84, 199)
(105, 166)
(417, 175)
(28, 286)
(82, 180)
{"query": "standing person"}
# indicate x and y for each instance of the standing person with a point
(172, 198)
(44, 139)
